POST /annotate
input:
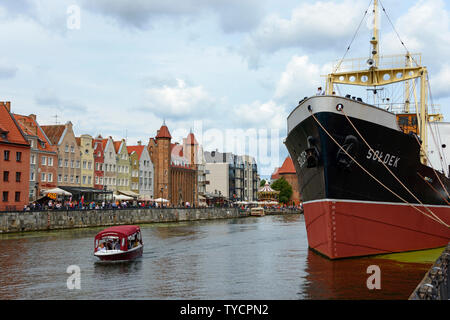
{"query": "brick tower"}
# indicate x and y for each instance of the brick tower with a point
(161, 160)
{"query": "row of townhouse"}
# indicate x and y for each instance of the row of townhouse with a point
(35, 158)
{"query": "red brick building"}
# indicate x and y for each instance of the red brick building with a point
(99, 158)
(287, 171)
(43, 156)
(14, 162)
(175, 178)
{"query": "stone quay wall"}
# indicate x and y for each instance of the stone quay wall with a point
(62, 219)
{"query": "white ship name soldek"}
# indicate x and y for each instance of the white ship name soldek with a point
(379, 156)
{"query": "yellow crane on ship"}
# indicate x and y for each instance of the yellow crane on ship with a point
(402, 68)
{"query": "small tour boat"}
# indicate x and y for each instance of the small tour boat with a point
(258, 211)
(119, 243)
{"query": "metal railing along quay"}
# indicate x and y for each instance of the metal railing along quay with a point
(436, 283)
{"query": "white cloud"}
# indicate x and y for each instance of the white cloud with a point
(440, 84)
(179, 101)
(233, 15)
(259, 114)
(316, 26)
(300, 79)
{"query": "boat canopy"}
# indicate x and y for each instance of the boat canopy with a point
(119, 231)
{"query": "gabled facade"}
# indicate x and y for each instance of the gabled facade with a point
(69, 159)
(110, 163)
(43, 157)
(97, 145)
(87, 160)
(145, 171)
(122, 166)
(14, 162)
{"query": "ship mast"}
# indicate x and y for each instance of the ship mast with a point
(375, 76)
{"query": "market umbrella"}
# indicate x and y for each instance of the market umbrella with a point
(122, 197)
(57, 191)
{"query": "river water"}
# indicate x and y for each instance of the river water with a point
(247, 258)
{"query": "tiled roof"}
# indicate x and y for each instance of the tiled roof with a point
(117, 145)
(191, 139)
(137, 149)
(163, 132)
(54, 132)
(78, 140)
(176, 149)
(29, 126)
(275, 175)
(287, 167)
(10, 125)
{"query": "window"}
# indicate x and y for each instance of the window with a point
(78, 163)
(5, 176)
(59, 178)
(43, 177)
(5, 196)
(17, 196)
(66, 163)
(6, 155)
(89, 179)
(50, 161)
(31, 175)
(18, 174)
(77, 179)
(50, 177)
(18, 156)
(66, 148)
(71, 179)
(72, 163)
(44, 161)
(84, 164)
(33, 159)
(60, 163)
(72, 149)
(96, 180)
(65, 178)
(89, 165)
(84, 179)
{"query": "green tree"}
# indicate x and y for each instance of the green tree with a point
(285, 189)
(262, 183)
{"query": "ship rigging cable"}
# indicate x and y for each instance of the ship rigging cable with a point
(372, 176)
(351, 42)
(443, 187)
(390, 171)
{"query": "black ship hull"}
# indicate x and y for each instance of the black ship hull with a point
(347, 211)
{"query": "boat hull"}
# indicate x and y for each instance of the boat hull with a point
(122, 256)
(342, 228)
(363, 217)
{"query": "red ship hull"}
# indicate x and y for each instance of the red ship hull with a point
(344, 228)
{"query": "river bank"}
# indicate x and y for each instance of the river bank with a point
(68, 219)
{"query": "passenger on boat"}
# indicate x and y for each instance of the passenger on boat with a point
(101, 248)
(117, 245)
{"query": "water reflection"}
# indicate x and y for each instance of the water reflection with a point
(248, 258)
(346, 278)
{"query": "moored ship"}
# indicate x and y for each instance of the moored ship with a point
(366, 182)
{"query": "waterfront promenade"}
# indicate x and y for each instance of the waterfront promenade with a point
(68, 219)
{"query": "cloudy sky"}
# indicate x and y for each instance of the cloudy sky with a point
(225, 68)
